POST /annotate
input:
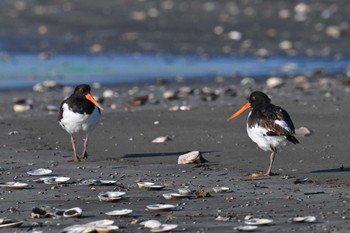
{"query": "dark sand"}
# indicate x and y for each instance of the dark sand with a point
(121, 150)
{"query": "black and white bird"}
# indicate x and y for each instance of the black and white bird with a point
(80, 113)
(268, 125)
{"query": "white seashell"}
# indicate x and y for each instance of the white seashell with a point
(161, 139)
(106, 229)
(167, 196)
(302, 132)
(164, 228)
(142, 184)
(185, 191)
(104, 222)
(122, 212)
(245, 228)
(7, 223)
(274, 82)
(39, 172)
(98, 182)
(191, 157)
(151, 224)
(13, 185)
(21, 107)
(74, 229)
(221, 189)
(153, 187)
(303, 219)
(55, 179)
(110, 196)
(73, 212)
(156, 207)
(170, 94)
(108, 94)
(258, 221)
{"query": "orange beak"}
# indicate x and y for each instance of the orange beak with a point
(240, 112)
(91, 98)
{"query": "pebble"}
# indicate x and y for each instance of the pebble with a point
(274, 82)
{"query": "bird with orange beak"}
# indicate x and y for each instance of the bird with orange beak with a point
(80, 113)
(268, 125)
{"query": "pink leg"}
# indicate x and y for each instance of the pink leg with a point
(272, 158)
(86, 141)
(75, 157)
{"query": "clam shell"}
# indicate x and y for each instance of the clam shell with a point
(55, 179)
(185, 191)
(164, 228)
(151, 223)
(163, 207)
(122, 212)
(189, 158)
(106, 229)
(13, 185)
(104, 222)
(39, 172)
(40, 212)
(258, 221)
(153, 187)
(245, 228)
(174, 195)
(98, 182)
(221, 189)
(142, 184)
(303, 219)
(74, 229)
(73, 212)
(161, 139)
(7, 223)
(110, 196)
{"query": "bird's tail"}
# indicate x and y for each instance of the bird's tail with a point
(292, 139)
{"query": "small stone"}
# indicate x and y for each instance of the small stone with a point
(191, 157)
(302, 132)
(274, 82)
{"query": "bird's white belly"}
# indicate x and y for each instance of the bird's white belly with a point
(258, 135)
(76, 122)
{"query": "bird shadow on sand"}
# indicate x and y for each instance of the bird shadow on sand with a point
(339, 169)
(144, 155)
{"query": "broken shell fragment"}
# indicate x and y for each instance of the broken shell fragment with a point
(245, 228)
(13, 185)
(73, 212)
(185, 191)
(258, 221)
(151, 224)
(153, 187)
(122, 212)
(308, 219)
(91, 182)
(7, 223)
(55, 179)
(110, 196)
(142, 184)
(161, 139)
(39, 172)
(163, 207)
(164, 228)
(221, 189)
(169, 196)
(189, 158)
(302, 132)
(40, 212)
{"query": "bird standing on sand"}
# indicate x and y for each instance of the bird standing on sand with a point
(268, 125)
(80, 112)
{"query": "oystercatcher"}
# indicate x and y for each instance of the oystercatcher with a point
(268, 125)
(80, 112)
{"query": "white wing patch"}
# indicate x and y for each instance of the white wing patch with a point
(283, 124)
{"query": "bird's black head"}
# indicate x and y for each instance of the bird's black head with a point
(257, 97)
(82, 90)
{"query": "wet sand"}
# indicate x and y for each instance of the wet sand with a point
(121, 150)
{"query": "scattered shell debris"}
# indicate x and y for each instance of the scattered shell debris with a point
(190, 158)
(39, 172)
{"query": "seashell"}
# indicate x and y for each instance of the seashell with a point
(153, 187)
(75, 229)
(90, 182)
(302, 132)
(7, 223)
(245, 228)
(167, 196)
(221, 189)
(163, 207)
(106, 229)
(258, 221)
(55, 179)
(73, 212)
(122, 212)
(308, 219)
(110, 196)
(301, 180)
(191, 157)
(13, 185)
(170, 95)
(151, 224)
(185, 191)
(164, 228)
(142, 184)
(40, 212)
(161, 139)
(274, 82)
(104, 222)
(21, 107)
(138, 101)
(39, 172)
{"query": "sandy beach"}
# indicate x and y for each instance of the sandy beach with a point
(121, 150)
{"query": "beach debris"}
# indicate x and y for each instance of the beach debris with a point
(45, 86)
(41, 212)
(186, 191)
(185, 91)
(149, 186)
(208, 95)
(109, 94)
(245, 228)
(39, 172)
(201, 194)
(164, 228)
(9, 223)
(222, 219)
(138, 101)
(161, 139)
(110, 196)
(170, 95)
(50, 108)
(160, 207)
(190, 158)
(75, 229)
(121, 212)
(258, 221)
(73, 212)
(91, 182)
(301, 180)
(151, 223)
(179, 108)
(221, 189)
(274, 82)
(308, 219)
(13, 185)
(248, 81)
(314, 193)
(142, 184)
(169, 196)
(55, 179)
(22, 105)
(100, 226)
(302, 132)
